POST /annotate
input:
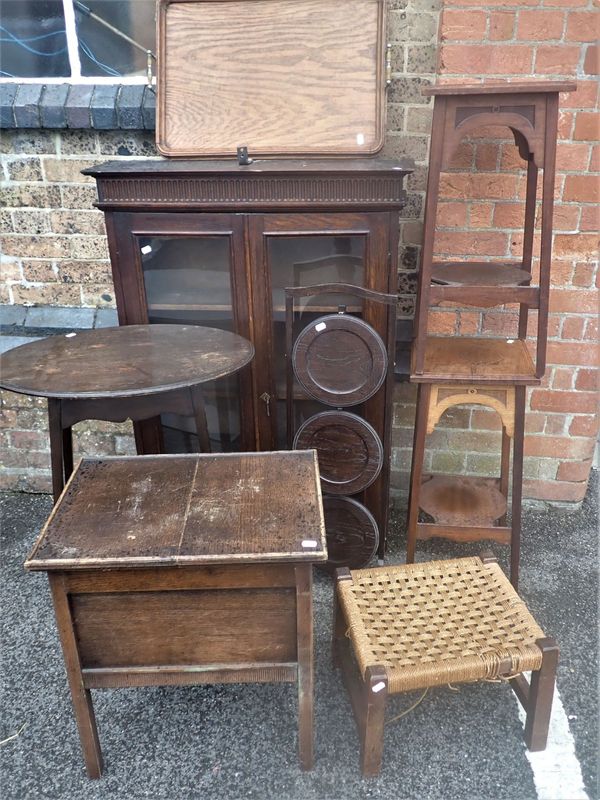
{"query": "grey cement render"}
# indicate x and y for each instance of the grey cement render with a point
(239, 741)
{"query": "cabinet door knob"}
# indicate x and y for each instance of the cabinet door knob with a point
(266, 398)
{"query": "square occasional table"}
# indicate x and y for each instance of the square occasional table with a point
(185, 569)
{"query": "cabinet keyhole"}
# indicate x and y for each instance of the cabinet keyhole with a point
(266, 398)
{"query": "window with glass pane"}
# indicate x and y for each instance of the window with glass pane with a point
(112, 36)
(33, 41)
(187, 280)
(101, 50)
(307, 261)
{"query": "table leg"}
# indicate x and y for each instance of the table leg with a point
(67, 449)
(200, 417)
(57, 456)
(148, 436)
(304, 620)
(81, 697)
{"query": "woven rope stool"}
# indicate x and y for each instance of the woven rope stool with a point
(412, 626)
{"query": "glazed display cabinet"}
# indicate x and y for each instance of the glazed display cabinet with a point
(216, 243)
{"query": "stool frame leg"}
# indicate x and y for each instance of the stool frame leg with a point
(368, 705)
(304, 626)
(81, 697)
(541, 694)
(537, 695)
(375, 696)
(339, 621)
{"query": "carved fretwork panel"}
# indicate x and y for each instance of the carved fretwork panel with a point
(500, 398)
(462, 113)
(525, 118)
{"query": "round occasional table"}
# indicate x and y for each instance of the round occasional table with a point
(131, 372)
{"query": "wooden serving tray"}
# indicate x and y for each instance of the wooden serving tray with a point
(281, 77)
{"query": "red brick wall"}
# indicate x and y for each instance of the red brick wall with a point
(516, 39)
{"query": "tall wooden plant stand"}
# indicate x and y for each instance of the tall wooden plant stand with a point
(492, 372)
(467, 508)
(530, 111)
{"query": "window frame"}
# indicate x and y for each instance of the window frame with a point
(76, 78)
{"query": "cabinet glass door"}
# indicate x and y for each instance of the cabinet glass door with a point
(309, 257)
(189, 279)
(309, 261)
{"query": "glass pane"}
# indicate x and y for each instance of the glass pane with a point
(307, 261)
(187, 281)
(33, 42)
(101, 50)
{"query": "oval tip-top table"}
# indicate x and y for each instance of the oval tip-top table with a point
(131, 372)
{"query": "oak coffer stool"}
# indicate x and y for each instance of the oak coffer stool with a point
(409, 627)
(185, 570)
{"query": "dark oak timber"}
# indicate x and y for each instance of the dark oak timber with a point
(258, 209)
(114, 374)
(349, 450)
(123, 362)
(185, 570)
(468, 508)
(266, 184)
(529, 109)
(340, 360)
(352, 532)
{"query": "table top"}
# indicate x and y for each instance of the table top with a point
(123, 362)
(186, 510)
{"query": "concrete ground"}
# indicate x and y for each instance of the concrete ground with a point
(239, 741)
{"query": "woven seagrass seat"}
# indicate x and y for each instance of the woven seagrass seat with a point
(414, 626)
